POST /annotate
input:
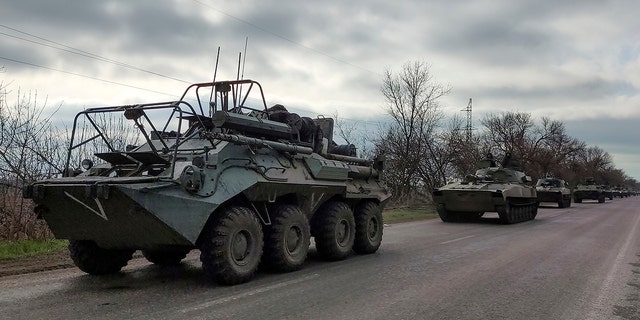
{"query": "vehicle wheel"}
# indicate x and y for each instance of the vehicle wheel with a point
(92, 259)
(334, 230)
(286, 241)
(577, 200)
(561, 203)
(232, 246)
(369, 225)
(166, 257)
(601, 199)
(446, 215)
(506, 214)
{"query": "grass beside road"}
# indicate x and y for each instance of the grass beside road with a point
(406, 214)
(22, 248)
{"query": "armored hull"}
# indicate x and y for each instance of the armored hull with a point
(492, 189)
(554, 190)
(589, 191)
(243, 186)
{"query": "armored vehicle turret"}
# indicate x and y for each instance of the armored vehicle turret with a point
(554, 190)
(501, 188)
(216, 171)
(588, 190)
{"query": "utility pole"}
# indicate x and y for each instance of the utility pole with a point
(469, 127)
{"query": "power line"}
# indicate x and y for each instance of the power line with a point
(85, 76)
(80, 52)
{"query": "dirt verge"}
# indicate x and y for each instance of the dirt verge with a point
(37, 263)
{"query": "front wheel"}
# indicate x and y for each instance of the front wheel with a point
(231, 247)
(369, 227)
(446, 215)
(334, 230)
(92, 259)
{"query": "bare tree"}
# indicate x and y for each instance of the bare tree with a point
(413, 155)
(28, 151)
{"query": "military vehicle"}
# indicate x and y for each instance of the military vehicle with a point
(608, 191)
(588, 190)
(217, 171)
(554, 190)
(501, 188)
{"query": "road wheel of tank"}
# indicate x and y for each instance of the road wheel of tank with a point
(166, 257)
(92, 259)
(286, 240)
(567, 201)
(506, 214)
(231, 247)
(601, 199)
(334, 230)
(369, 228)
(446, 215)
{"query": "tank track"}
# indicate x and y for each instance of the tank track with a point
(517, 212)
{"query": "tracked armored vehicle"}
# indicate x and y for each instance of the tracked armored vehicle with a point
(501, 188)
(588, 190)
(554, 190)
(216, 171)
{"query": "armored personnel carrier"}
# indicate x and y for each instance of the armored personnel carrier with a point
(554, 190)
(501, 188)
(216, 171)
(588, 190)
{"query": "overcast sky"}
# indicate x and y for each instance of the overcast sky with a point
(575, 61)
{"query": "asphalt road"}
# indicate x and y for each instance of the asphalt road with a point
(581, 262)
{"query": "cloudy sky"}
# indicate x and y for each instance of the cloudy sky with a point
(575, 61)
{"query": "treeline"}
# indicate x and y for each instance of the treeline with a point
(424, 150)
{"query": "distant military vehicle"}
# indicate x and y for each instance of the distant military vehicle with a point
(501, 188)
(554, 190)
(588, 190)
(608, 191)
(220, 172)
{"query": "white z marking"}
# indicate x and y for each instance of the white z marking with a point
(100, 214)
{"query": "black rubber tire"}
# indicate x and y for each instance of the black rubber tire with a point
(231, 248)
(446, 215)
(166, 257)
(287, 239)
(334, 230)
(94, 260)
(369, 228)
(601, 199)
(577, 200)
(561, 203)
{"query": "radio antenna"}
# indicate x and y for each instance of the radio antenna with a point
(215, 72)
(244, 59)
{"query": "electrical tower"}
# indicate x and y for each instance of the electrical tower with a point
(469, 127)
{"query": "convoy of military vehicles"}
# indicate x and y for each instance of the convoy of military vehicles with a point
(504, 188)
(247, 185)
